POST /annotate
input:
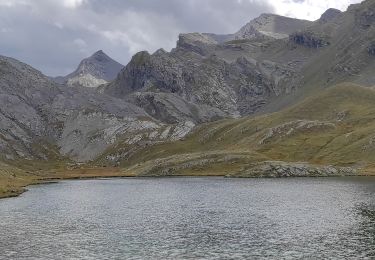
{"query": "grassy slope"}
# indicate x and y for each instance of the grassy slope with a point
(14, 179)
(231, 145)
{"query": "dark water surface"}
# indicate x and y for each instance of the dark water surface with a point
(192, 218)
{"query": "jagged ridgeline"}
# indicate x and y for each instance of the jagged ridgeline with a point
(204, 107)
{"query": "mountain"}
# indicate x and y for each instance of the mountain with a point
(258, 72)
(253, 75)
(247, 105)
(42, 120)
(93, 71)
(229, 79)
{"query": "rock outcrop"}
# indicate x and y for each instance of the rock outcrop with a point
(365, 17)
(271, 25)
(371, 49)
(309, 39)
(276, 169)
(329, 15)
(294, 127)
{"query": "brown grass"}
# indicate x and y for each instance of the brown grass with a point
(14, 184)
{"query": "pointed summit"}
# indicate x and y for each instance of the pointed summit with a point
(100, 56)
(93, 71)
(99, 52)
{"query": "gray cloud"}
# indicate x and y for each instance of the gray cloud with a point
(54, 35)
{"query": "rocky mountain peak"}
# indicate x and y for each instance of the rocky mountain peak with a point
(100, 56)
(100, 65)
(93, 71)
(99, 52)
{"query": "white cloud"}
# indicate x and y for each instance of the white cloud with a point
(309, 9)
(139, 31)
(80, 44)
(73, 3)
(12, 3)
(6, 30)
(58, 25)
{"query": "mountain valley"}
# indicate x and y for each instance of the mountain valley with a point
(280, 97)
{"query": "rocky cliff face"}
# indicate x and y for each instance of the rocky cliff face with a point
(371, 49)
(221, 78)
(309, 39)
(93, 71)
(329, 15)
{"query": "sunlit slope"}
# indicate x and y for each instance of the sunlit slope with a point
(336, 126)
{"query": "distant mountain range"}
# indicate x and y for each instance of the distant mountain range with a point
(170, 102)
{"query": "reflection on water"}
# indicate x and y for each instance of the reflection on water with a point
(179, 218)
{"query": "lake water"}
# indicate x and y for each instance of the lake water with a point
(192, 218)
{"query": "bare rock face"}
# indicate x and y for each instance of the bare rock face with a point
(171, 108)
(371, 49)
(271, 25)
(309, 39)
(196, 42)
(329, 15)
(93, 71)
(85, 80)
(276, 169)
(365, 18)
(197, 72)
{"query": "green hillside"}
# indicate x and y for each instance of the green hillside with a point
(335, 127)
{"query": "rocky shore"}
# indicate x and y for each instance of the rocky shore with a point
(275, 169)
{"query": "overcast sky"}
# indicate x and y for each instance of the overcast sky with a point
(54, 35)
